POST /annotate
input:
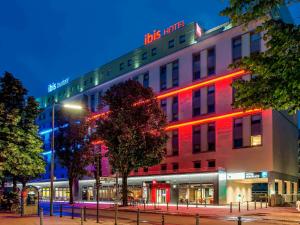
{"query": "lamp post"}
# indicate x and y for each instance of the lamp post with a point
(69, 106)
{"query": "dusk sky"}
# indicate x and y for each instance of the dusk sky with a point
(46, 41)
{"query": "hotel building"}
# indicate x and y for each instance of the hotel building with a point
(216, 153)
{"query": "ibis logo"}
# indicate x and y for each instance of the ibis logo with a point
(157, 34)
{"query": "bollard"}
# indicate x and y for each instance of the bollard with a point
(41, 216)
(167, 206)
(177, 205)
(205, 202)
(138, 217)
(196, 203)
(162, 219)
(144, 204)
(247, 206)
(81, 215)
(267, 201)
(84, 213)
(197, 219)
(60, 210)
(239, 206)
(255, 204)
(72, 211)
(261, 204)
(187, 204)
(230, 207)
(239, 220)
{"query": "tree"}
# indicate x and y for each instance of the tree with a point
(20, 144)
(276, 82)
(133, 131)
(72, 145)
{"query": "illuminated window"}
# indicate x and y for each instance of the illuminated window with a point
(196, 66)
(181, 39)
(196, 139)
(211, 61)
(171, 43)
(256, 130)
(236, 48)
(197, 102)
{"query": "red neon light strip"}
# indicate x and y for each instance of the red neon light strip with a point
(205, 120)
(214, 118)
(187, 88)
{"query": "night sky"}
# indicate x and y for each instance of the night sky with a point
(42, 41)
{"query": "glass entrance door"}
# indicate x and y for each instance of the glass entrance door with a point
(161, 195)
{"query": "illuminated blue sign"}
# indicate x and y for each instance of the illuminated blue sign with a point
(53, 86)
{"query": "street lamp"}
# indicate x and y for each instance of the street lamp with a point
(68, 106)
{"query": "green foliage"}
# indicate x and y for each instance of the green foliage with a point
(276, 82)
(20, 144)
(72, 146)
(134, 131)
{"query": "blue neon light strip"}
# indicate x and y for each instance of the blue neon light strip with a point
(50, 130)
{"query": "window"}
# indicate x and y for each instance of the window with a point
(171, 43)
(211, 61)
(211, 137)
(175, 108)
(196, 139)
(85, 83)
(129, 62)
(175, 166)
(210, 99)
(236, 48)
(181, 39)
(145, 169)
(196, 66)
(93, 103)
(99, 99)
(197, 164)
(163, 77)
(175, 73)
(254, 42)
(144, 56)
(163, 105)
(163, 167)
(238, 133)
(211, 163)
(175, 144)
(154, 51)
(256, 130)
(197, 102)
(146, 79)
(121, 66)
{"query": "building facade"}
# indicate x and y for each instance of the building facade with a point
(216, 153)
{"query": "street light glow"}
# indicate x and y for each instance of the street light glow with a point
(71, 106)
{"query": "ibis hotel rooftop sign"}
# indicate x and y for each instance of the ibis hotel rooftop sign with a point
(157, 34)
(53, 86)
